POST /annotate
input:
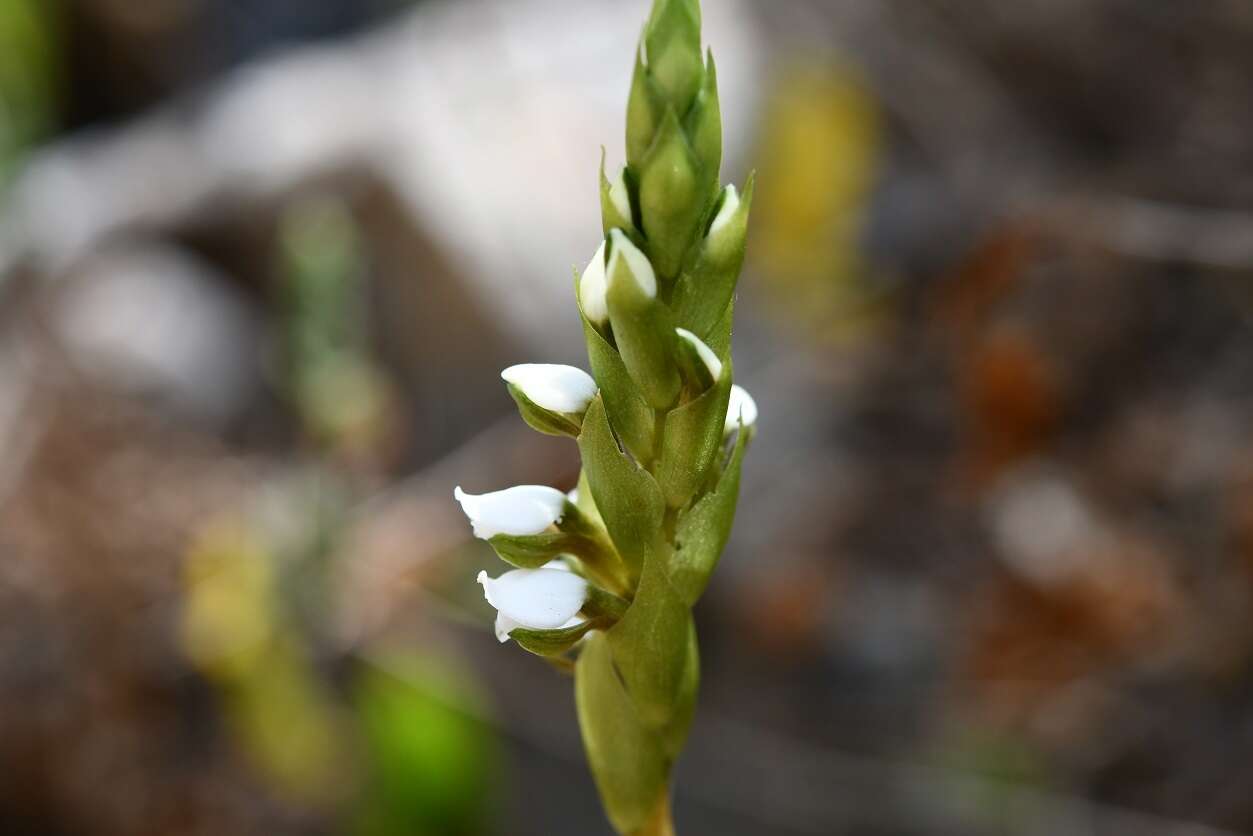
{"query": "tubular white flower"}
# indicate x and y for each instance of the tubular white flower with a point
(619, 196)
(519, 511)
(705, 353)
(539, 599)
(741, 406)
(592, 288)
(730, 204)
(552, 386)
(640, 268)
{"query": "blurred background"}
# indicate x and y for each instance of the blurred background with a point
(261, 262)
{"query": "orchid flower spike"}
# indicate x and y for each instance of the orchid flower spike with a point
(559, 388)
(740, 407)
(518, 511)
(538, 599)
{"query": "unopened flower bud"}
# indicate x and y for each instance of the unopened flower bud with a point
(538, 599)
(552, 386)
(701, 295)
(592, 288)
(518, 511)
(615, 200)
(672, 196)
(672, 43)
(698, 360)
(641, 323)
(740, 409)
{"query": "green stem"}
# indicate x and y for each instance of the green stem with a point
(660, 823)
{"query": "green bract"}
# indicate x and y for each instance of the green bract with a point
(661, 466)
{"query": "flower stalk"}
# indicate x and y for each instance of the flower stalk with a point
(607, 577)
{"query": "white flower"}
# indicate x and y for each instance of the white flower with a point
(706, 353)
(741, 406)
(638, 265)
(518, 511)
(592, 288)
(730, 204)
(551, 386)
(540, 599)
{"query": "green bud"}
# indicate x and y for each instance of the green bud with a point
(615, 200)
(645, 108)
(673, 55)
(672, 199)
(704, 290)
(703, 125)
(641, 322)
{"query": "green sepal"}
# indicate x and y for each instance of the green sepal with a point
(703, 126)
(672, 197)
(672, 41)
(627, 760)
(604, 605)
(705, 288)
(703, 531)
(674, 735)
(545, 420)
(719, 337)
(611, 213)
(632, 418)
(552, 642)
(628, 497)
(645, 107)
(650, 645)
(692, 441)
(643, 329)
(532, 551)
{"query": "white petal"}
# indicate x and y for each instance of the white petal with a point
(706, 353)
(640, 268)
(740, 406)
(730, 204)
(619, 196)
(592, 287)
(519, 511)
(504, 626)
(542, 599)
(552, 386)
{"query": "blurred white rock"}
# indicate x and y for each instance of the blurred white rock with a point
(487, 118)
(154, 322)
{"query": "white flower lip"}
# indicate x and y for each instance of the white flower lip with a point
(706, 353)
(741, 406)
(640, 268)
(551, 386)
(540, 599)
(593, 285)
(518, 511)
(730, 204)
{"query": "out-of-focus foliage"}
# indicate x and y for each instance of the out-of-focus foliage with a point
(235, 631)
(28, 46)
(430, 760)
(339, 394)
(819, 154)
